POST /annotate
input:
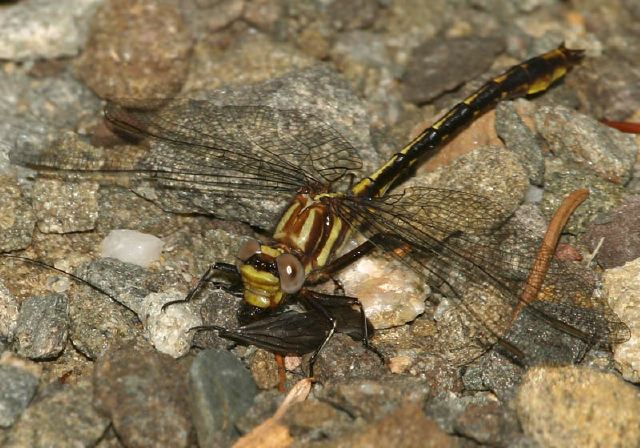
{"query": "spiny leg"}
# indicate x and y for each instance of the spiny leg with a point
(321, 302)
(309, 299)
(327, 271)
(204, 279)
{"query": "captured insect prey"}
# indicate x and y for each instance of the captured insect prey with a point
(460, 244)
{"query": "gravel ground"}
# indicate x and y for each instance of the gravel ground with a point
(107, 368)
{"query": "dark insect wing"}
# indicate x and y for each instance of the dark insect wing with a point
(224, 151)
(287, 332)
(455, 242)
(296, 332)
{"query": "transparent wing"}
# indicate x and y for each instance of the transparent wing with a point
(224, 151)
(451, 238)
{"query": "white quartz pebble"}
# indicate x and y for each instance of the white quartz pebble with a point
(131, 246)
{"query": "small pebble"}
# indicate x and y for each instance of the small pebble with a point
(18, 218)
(622, 287)
(8, 314)
(145, 395)
(17, 387)
(582, 139)
(62, 417)
(616, 235)
(131, 246)
(63, 207)
(222, 390)
(570, 406)
(43, 326)
(42, 30)
(136, 49)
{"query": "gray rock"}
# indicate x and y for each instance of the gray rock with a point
(124, 282)
(211, 15)
(370, 399)
(264, 405)
(97, 322)
(63, 417)
(616, 235)
(169, 330)
(353, 15)
(122, 209)
(578, 407)
(365, 59)
(222, 390)
(8, 314)
(43, 326)
(461, 335)
(542, 343)
(197, 246)
(343, 358)
(39, 29)
(17, 387)
(62, 207)
(519, 138)
(562, 178)
(622, 287)
(313, 420)
(496, 373)
(491, 172)
(417, 430)
(447, 408)
(409, 25)
(35, 110)
(583, 140)
(18, 219)
(317, 91)
(488, 423)
(145, 396)
(136, 50)
(250, 59)
(442, 65)
(221, 309)
(615, 98)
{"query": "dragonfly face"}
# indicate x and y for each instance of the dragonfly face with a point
(268, 273)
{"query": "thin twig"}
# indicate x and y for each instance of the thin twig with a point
(548, 247)
(282, 372)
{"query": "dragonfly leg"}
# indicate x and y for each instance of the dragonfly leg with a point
(205, 278)
(309, 299)
(338, 287)
(327, 271)
(322, 302)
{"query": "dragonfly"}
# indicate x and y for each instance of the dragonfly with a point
(448, 237)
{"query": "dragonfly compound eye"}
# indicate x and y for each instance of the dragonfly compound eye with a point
(291, 273)
(248, 249)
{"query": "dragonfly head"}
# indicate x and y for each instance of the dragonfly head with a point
(268, 273)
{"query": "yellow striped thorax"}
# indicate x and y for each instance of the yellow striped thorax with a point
(305, 238)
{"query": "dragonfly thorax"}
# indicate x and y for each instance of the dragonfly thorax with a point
(268, 272)
(311, 228)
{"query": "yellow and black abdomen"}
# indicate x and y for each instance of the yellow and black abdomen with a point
(527, 78)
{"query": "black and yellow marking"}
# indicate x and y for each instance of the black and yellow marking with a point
(530, 77)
